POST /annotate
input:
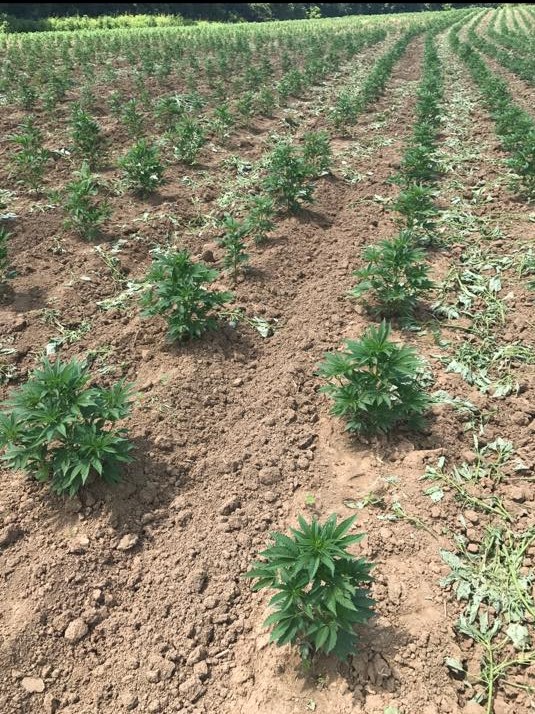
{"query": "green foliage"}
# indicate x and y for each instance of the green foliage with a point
(58, 428)
(85, 215)
(168, 111)
(187, 138)
(288, 177)
(86, 135)
(319, 596)
(259, 219)
(143, 170)
(416, 204)
(177, 289)
(317, 151)
(4, 238)
(348, 106)
(132, 118)
(375, 384)
(514, 126)
(31, 157)
(223, 120)
(395, 276)
(234, 244)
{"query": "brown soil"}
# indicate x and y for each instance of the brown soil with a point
(231, 433)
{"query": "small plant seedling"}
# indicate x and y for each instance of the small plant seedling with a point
(317, 152)
(84, 214)
(86, 135)
(234, 244)
(31, 157)
(288, 177)
(375, 384)
(416, 204)
(58, 428)
(4, 238)
(187, 138)
(395, 275)
(320, 596)
(177, 289)
(259, 218)
(143, 170)
(132, 118)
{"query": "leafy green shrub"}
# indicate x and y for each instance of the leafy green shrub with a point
(187, 138)
(178, 290)
(4, 238)
(132, 118)
(259, 219)
(319, 598)
(317, 151)
(86, 135)
(31, 157)
(375, 384)
(223, 120)
(142, 168)
(288, 177)
(395, 275)
(168, 111)
(58, 428)
(416, 203)
(85, 215)
(234, 244)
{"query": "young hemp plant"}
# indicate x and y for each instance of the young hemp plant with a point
(317, 152)
(187, 138)
(260, 217)
(319, 596)
(142, 168)
(234, 243)
(416, 204)
(178, 290)
(395, 276)
(31, 157)
(375, 384)
(84, 214)
(86, 135)
(60, 429)
(288, 177)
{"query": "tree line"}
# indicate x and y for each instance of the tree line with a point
(226, 12)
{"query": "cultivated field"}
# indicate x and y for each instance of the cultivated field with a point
(210, 214)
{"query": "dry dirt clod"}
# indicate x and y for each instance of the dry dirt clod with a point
(229, 506)
(127, 542)
(76, 630)
(9, 535)
(33, 685)
(129, 700)
(192, 689)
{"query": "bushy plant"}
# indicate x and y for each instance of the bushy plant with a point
(259, 218)
(288, 177)
(4, 238)
(375, 384)
(31, 157)
(143, 170)
(177, 289)
(84, 214)
(233, 241)
(317, 151)
(319, 596)
(132, 118)
(416, 204)
(187, 138)
(60, 429)
(168, 111)
(223, 120)
(395, 276)
(86, 135)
